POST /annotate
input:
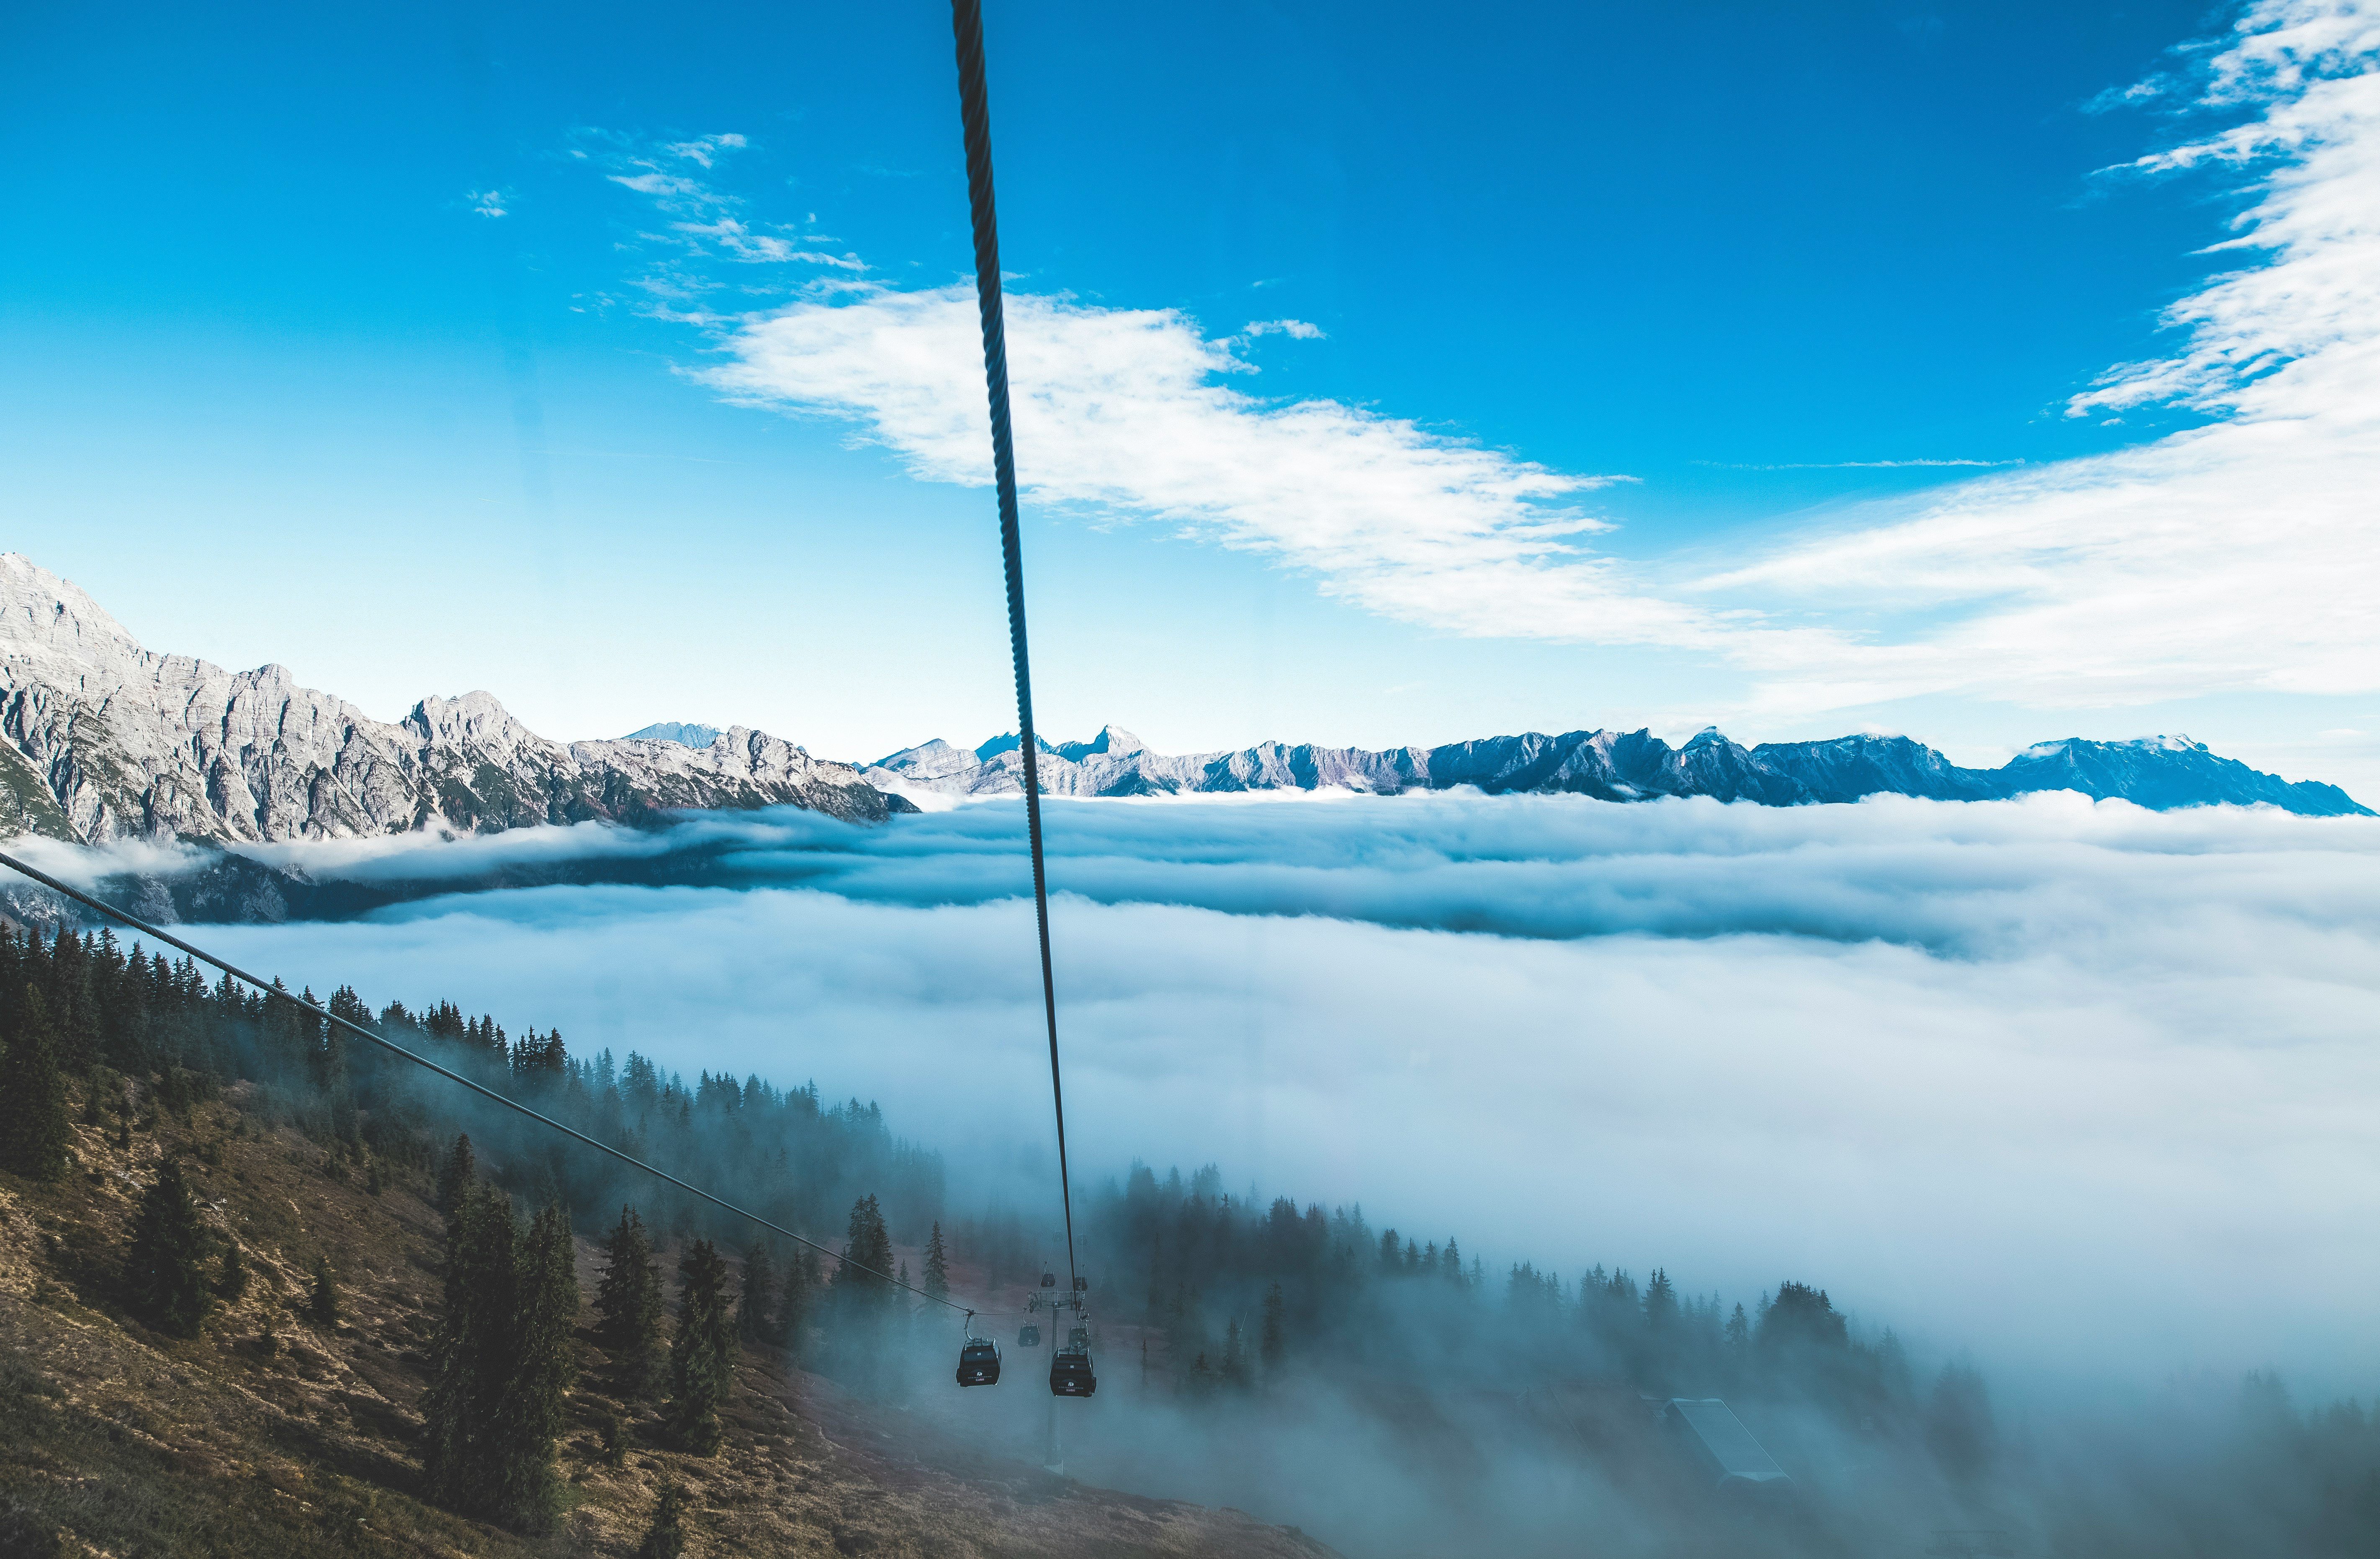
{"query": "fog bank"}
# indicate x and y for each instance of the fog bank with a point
(2081, 1087)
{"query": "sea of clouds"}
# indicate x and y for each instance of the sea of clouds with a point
(2082, 1088)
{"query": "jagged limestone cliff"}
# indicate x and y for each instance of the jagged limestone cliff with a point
(105, 739)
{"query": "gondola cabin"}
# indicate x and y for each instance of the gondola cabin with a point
(1028, 1336)
(1070, 1373)
(980, 1363)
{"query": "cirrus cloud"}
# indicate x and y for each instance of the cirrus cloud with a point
(2237, 557)
(2241, 555)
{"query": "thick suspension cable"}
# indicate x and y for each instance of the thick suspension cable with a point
(323, 1015)
(974, 117)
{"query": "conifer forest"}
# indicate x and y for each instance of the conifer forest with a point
(574, 1319)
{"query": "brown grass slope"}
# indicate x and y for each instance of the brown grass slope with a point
(117, 1441)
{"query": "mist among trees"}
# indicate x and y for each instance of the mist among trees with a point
(1219, 1319)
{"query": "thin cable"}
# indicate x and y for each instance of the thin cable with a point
(419, 1060)
(975, 116)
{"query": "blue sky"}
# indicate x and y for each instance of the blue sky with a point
(281, 384)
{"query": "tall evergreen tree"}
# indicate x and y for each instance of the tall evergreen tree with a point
(702, 1355)
(543, 1365)
(1958, 1428)
(938, 1266)
(504, 1363)
(793, 1299)
(323, 1300)
(163, 1269)
(755, 1313)
(470, 1353)
(867, 1252)
(34, 1128)
(862, 1296)
(628, 1309)
(455, 1175)
(665, 1538)
(1660, 1304)
(1273, 1346)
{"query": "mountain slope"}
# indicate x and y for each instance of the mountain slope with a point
(2155, 772)
(129, 1443)
(105, 739)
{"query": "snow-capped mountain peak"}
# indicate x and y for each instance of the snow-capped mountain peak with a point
(2159, 772)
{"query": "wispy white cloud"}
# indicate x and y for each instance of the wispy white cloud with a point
(705, 223)
(2237, 555)
(703, 150)
(2125, 97)
(2244, 554)
(1138, 414)
(1297, 329)
(489, 202)
(1848, 465)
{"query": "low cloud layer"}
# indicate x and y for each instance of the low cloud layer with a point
(2078, 1086)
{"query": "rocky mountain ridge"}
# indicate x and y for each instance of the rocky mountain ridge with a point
(103, 740)
(2160, 772)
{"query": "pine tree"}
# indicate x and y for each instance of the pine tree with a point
(1959, 1429)
(323, 1303)
(628, 1307)
(702, 1353)
(231, 1278)
(867, 1246)
(528, 1416)
(455, 1175)
(665, 1538)
(162, 1270)
(1660, 1303)
(754, 1315)
(34, 1129)
(1273, 1346)
(504, 1362)
(794, 1300)
(470, 1353)
(862, 1296)
(938, 1266)
(1235, 1360)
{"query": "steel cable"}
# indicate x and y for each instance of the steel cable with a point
(323, 1014)
(975, 119)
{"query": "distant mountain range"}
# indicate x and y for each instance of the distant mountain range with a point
(679, 732)
(102, 739)
(2155, 772)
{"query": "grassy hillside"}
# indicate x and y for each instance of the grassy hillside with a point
(271, 1435)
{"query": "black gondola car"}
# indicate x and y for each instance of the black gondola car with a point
(1070, 1373)
(1028, 1336)
(980, 1363)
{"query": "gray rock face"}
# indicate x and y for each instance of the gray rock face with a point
(104, 739)
(2155, 772)
(677, 731)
